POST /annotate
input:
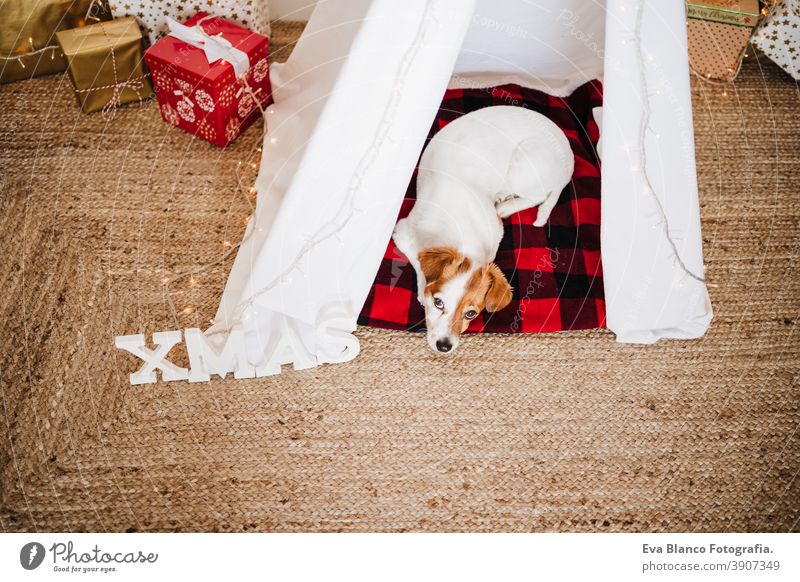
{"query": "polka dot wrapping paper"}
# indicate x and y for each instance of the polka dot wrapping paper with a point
(778, 37)
(718, 33)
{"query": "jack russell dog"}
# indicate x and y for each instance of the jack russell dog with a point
(479, 169)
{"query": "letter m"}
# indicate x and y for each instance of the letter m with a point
(205, 359)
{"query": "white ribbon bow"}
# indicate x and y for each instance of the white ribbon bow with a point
(214, 47)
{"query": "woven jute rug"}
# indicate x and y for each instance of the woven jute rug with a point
(565, 432)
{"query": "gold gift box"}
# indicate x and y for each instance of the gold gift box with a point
(105, 64)
(27, 34)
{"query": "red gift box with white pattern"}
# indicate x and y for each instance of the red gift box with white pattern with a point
(207, 99)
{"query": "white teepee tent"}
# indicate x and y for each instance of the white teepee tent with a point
(353, 105)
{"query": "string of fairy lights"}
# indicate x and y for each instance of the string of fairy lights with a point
(33, 52)
(349, 209)
(250, 192)
(644, 128)
(228, 248)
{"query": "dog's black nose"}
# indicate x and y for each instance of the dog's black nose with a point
(444, 345)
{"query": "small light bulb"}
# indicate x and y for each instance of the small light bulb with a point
(188, 310)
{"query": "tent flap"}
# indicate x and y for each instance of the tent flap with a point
(649, 294)
(353, 105)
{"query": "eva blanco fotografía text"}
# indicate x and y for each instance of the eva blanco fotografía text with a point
(706, 549)
(710, 557)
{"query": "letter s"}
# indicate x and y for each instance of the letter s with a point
(335, 343)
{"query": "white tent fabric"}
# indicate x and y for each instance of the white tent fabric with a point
(649, 295)
(552, 46)
(353, 105)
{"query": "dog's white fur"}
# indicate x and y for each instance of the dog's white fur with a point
(487, 164)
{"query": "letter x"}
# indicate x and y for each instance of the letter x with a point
(153, 359)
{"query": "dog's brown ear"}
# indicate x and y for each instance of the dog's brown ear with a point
(499, 293)
(437, 261)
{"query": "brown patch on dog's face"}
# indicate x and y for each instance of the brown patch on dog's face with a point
(439, 265)
(454, 294)
(486, 289)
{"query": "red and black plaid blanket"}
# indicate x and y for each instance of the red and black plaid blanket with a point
(555, 271)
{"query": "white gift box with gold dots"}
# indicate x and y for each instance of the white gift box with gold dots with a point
(779, 36)
(152, 14)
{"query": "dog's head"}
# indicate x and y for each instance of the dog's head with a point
(456, 292)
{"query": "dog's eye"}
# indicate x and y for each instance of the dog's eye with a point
(438, 303)
(471, 314)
